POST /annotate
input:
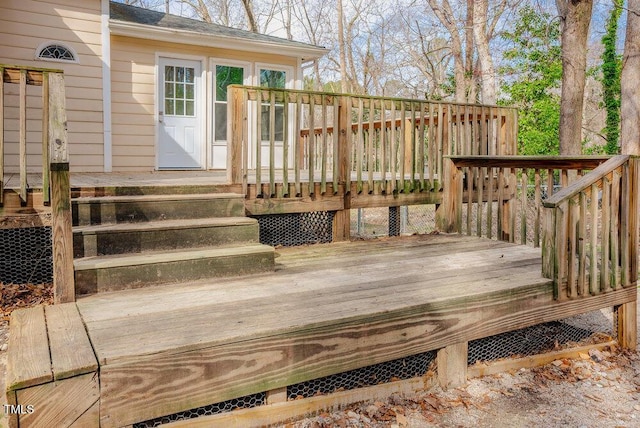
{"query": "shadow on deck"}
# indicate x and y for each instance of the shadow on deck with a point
(326, 309)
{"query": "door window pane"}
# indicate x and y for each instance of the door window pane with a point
(179, 91)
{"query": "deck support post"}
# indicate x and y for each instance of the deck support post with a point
(627, 325)
(394, 221)
(63, 281)
(449, 213)
(452, 365)
(342, 218)
(277, 395)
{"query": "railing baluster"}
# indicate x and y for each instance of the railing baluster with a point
(469, 181)
(402, 143)
(258, 144)
(299, 156)
(481, 172)
(439, 124)
(615, 230)
(549, 183)
(606, 235)
(335, 135)
(393, 147)
(23, 137)
(272, 143)
(538, 204)
(312, 143)
(46, 194)
(524, 207)
(370, 148)
(581, 237)
(625, 263)
(360, 146)
(593, 242)
(501, 218)
(323, 178)
(285, 144)
(490, 183)
(383, 146)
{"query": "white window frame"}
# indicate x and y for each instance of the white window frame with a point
(211, 82)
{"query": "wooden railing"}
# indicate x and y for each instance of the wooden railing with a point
(55, 161)
(590, 232)
(501, 196)
(284, 139)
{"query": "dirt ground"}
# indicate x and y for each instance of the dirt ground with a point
(600, 389)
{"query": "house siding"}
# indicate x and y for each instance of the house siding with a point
(133, 86)
(24, 25)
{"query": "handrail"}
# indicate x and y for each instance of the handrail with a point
(586, 181)
(532, 162)
(590, 235)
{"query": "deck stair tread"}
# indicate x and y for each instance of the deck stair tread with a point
(258, 305)
(164, 225)
(168, 256)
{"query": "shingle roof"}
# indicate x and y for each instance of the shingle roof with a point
(138, 15)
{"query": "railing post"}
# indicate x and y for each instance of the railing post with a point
(342, 218)
(235, 125)
(449, 213)
(63, 280)
(626, 316)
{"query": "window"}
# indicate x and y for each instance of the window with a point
(275, 79)
(225, 76)
(56, 51)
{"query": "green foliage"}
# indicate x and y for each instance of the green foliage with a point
(611, 67)
(534, 74)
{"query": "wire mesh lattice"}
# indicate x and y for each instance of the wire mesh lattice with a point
(402, 368)
(367, 223)
(26, 255)
(296, 229)
(245, 402)
(540, 338)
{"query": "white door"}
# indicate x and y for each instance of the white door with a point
(180, 115)
(223, 75)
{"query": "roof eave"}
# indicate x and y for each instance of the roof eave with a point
(161, 34)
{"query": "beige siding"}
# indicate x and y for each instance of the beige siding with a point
(133, 63)
(24, 25)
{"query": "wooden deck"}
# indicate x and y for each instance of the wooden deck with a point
(327, 309)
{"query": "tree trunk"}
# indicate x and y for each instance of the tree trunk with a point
(251, 18)
(487, 70)
(575, 17)
(343, 52)
(630, 83)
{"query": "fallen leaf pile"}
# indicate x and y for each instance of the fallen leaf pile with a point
(15, 296)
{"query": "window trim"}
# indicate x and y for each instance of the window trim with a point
(49, 43)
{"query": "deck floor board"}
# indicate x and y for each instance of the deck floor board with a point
(323, 284)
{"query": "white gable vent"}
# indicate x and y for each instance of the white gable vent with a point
(56, 51)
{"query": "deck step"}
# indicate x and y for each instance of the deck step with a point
(125, 271)
(122, 238)
(141, 208)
